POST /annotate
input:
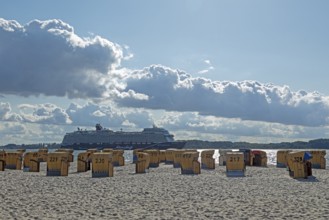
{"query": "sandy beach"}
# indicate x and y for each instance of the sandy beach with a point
(163, 193)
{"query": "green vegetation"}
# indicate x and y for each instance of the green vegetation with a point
(313, 144)
(198, 144)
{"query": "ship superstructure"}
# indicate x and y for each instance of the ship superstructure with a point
(101, 137)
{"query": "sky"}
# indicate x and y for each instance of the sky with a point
(252, 71)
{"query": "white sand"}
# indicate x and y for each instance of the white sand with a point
(163, 193)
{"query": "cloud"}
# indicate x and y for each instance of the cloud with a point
(129, 55)
(209, 67)
(110, 117)
(175, 90)
(47, 57)
(48, 123)
(191, 125)
(44, 114)
(18, 133)
(77, 115)
(41, 114)
(6, 113)
(203, 71)
(8, 129)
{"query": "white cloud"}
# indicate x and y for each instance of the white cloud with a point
(129, 55)
(191, 125)
(44, 114)
(108, 115)
(47, 57)
(175, 90)
(8, 128)
(203, 71)
(41, 123)
(6, 113)
(18, 133)
(208, 68)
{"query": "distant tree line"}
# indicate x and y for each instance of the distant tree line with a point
(32, 146)
(313, 144)
(199, 144)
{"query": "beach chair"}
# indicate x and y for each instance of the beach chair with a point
(102, 164)
(170, 156)
(118, 159)
(281, 158)
(69, 151)
(235, 164)
(31, 162)
(2, 160)
(259, 158)
(299, 165)
(318, 159)
(190, 163)
(143, 162)
(58, 163)
(247, 156)
(84, 161)
(14, 160)
(207, 160)
(42, 154)
(135, 158)
(154, 157)
(177, 155)
(222, 157)
(162, 156)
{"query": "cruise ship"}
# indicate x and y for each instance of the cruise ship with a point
(149, 138)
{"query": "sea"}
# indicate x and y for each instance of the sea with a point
(128, 155)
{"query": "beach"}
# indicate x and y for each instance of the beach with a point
(163, 193)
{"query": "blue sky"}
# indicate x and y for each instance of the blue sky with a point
(279, 47)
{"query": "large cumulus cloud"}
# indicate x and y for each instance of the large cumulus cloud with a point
(47, 57)
(175, 90)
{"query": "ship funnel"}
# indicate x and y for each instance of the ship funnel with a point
(98, 127)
